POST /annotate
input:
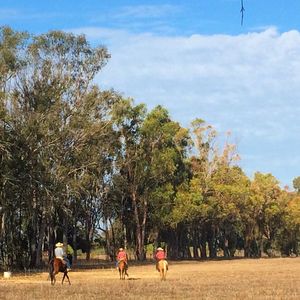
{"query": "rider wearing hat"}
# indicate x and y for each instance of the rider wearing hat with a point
(159, 255)
(60, 254)
(122, 256)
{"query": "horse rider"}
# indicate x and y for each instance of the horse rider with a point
(60, 254)
(160, 255)
(70, 253)
(122, 256)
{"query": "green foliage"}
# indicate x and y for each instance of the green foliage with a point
(296, 184)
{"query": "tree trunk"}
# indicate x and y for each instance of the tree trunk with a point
(203, 252)
(195, 244)
(212, 243)
(140, 227)
(110, 251)
(51, 241)
(113, 239)
(173, 245)
(41, 235)
(74, 240)
(125, 236)
(33, 231)
(247, 238)
(89, 237)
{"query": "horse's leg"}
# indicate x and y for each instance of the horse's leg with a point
(68, 278)
(51, 277)
(120, 274)
(51, 270)
(54, 278)
(165, 272)
(157, 266)
(62, 281)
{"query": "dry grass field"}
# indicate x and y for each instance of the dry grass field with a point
(236, 279)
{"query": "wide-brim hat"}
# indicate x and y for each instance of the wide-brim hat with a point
(59, 244)
(160, 249)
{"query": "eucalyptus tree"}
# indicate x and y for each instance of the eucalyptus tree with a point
(129, 176)
(189, 214)
(60, 74)
(288, 234)
(12, 45)
(91, 160)
(231, 189)
(260, 213)
(149, 159)
(206, 209)
(296, 184)
(11, 61)
(197, 194)
(48, 88)
(169, 144)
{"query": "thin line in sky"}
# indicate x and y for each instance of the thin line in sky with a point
(242, 12)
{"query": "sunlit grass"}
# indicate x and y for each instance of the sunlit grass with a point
(236, 279)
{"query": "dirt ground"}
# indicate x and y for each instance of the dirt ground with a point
(231, 279)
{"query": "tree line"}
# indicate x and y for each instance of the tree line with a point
(84, 165)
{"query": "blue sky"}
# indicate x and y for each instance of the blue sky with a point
(194, 58)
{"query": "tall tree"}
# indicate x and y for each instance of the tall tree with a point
(147, 160)
(296, 184)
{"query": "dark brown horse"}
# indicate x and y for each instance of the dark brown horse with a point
(123, 269)
(56, 265)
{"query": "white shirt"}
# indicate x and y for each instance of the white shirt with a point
(59, 252)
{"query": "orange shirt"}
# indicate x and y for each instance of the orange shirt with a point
(160, 255)
(122, 256)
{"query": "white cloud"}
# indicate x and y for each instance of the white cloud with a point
(139, 18)
(147, 11)
(110, 36)
(248, 83)
(15, 14)
(8, 13)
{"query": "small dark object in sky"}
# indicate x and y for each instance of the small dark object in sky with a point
(242, 12)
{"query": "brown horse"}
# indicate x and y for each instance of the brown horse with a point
(123, 269)
(162, 268)
(56, 265)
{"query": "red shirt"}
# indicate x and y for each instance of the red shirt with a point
(160, 255)
(122, 256)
